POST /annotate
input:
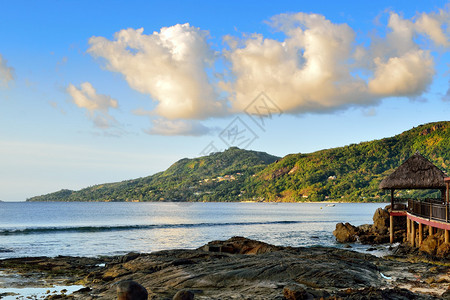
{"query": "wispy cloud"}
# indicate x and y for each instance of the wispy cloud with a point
(178, 127)
(97, 106)
(6, 73)
(446, 97)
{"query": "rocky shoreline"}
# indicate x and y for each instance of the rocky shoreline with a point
(241, 268)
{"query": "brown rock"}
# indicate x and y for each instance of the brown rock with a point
(239, 245)
(345, 233)
(184, 295)
(381, 221)
(443, 250)
(131, 290)
(430, 245)
(294, 293)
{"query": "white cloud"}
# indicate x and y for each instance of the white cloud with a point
(308, 71)
(6, 73)
(433, 25)
(170, 66)
(178, 127)
(97, 106)
(447, 95)
(407, 75)
(318, 67)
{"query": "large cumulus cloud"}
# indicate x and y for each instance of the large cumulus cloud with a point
(319, 66)
(170, 65)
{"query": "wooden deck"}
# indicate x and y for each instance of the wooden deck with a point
(433, 213)
(431, 209)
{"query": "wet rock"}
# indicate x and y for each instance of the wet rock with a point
(184, 295)
(295, 293)
(239, 245)
(345, 233)
(313, 272)
(131, 290)
(128, 257)
(382, 294)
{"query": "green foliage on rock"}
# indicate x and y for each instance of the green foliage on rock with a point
(350, 173)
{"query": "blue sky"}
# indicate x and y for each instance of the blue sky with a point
(102, 91)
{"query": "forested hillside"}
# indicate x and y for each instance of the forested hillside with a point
(217, 177)
(350, 173)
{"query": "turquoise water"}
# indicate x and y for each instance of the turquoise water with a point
(98, 228)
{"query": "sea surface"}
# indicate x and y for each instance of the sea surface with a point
(99, 228)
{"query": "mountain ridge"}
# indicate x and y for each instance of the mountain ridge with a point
(348, 173)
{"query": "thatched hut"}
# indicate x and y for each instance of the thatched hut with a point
(418, 173)
(415, 173)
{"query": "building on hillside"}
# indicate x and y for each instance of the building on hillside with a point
(418, 173)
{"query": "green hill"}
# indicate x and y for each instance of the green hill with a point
(217, 177)
(350, 173)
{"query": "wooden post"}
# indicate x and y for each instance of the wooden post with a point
(408, 229)
(413, 233)
(392, 200)
(447, 196)
(446, 236)
(430, 230)
(420, 233)
(391, 229)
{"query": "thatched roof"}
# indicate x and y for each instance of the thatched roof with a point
(416, 172)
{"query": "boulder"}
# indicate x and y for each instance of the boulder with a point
(239, 245)
(345, 233)
(131, 290)
(430, 245)
(381, 221)
(443, 251)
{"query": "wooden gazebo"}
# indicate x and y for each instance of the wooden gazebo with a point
(418, 173)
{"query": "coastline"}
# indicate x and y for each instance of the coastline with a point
(241, 268)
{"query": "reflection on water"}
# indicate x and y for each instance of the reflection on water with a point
(92, 229)
(13, 286)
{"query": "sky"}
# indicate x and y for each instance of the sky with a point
(104, 91)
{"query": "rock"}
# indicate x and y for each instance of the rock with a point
(381, 221)
(365, 228)
(295, 293)
(129, 256)
(239, 245)
(290, 272)
(381, 239)
(131, 290)
(345, 233)
(184, 295)
(443, 251)
(430, 245)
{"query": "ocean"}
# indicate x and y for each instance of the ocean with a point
(99, 228)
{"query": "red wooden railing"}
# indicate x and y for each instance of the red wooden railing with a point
(432, 209)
